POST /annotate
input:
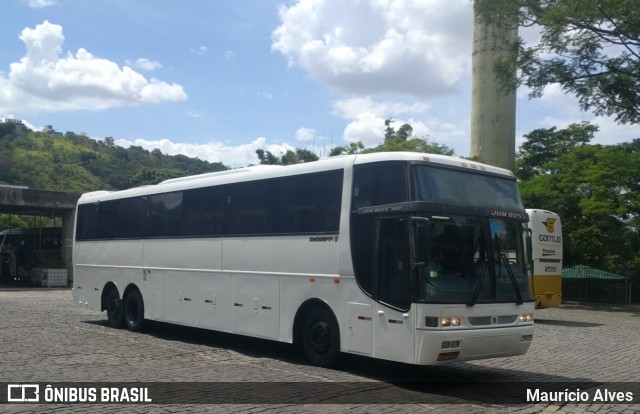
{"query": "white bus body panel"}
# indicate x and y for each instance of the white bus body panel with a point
(193, 288)
(374, 329)
(256, 285)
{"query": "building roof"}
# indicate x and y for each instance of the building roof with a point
(586, 272)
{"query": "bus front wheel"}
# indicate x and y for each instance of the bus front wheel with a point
(115, 311)
(134, 311)
(321, 337)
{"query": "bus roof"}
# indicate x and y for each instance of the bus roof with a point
(433, 158)
(541, 212)
(260, 172)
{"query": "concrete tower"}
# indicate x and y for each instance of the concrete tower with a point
(493, 111)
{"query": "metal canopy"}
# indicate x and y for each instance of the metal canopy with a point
(26, 202)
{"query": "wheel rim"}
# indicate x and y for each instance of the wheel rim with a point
(320, 337)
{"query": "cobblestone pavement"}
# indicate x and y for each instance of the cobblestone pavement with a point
(45, 338)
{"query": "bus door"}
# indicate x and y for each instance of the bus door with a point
(5, 258)
(12, 256)
(392, 320)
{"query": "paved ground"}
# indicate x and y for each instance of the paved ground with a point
(44, 338)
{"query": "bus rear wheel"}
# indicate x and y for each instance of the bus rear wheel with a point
(320, 337)
(134, 311)
(115, 309)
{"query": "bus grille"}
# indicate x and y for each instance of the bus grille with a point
(492, 320)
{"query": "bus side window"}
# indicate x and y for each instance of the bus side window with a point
(376, 185)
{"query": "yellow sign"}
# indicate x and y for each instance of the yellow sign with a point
(549, 223)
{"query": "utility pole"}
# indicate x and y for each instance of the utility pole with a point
(493, 111)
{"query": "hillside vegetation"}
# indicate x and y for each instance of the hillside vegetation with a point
(76, 163)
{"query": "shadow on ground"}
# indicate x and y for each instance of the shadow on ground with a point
(384, 381)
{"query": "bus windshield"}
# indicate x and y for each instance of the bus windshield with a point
(454, 187)
(471, 260)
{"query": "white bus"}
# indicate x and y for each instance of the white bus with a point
(547, 257)
(335, 255)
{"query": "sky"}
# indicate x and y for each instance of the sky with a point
(219, 79)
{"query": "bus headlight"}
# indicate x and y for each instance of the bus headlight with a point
(526, 317)
(451, 321)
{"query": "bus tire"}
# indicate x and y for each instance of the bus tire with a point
(134, 311)
(115, 309)
(320, 337)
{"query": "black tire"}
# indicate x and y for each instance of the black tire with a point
(115, 309)
(134, 311)
(321, 337)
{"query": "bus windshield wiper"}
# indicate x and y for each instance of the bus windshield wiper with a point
(476, 290)
(516, 288)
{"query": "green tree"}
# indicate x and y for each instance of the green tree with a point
(595, 189)
(13, 222)
(389, 132)
(400, 140)
(8, 221)
(147, 176)
(404, 132)
(590, 48)
(298, 156)
(403, 140)
(86, 158)
(266, 157)
(412, 145)
(547, 144)
(352, 148)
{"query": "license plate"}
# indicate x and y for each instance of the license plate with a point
(446, 356)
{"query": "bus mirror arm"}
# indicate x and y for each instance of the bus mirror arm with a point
(529, 242)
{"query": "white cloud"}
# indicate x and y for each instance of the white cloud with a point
(232, 156)
(194, 114)
(415, 47)
(366, 127)
(348, 108)
(145, 64)
(389, 56)
(559, 109)
(265, 95)
(610, 132)
(200, 50)
(39, 4)
(46, 80)
(367, 118)
(305, 134)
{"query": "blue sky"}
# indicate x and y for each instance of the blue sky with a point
(220, 79)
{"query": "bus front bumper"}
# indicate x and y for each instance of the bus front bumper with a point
(441, 346)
